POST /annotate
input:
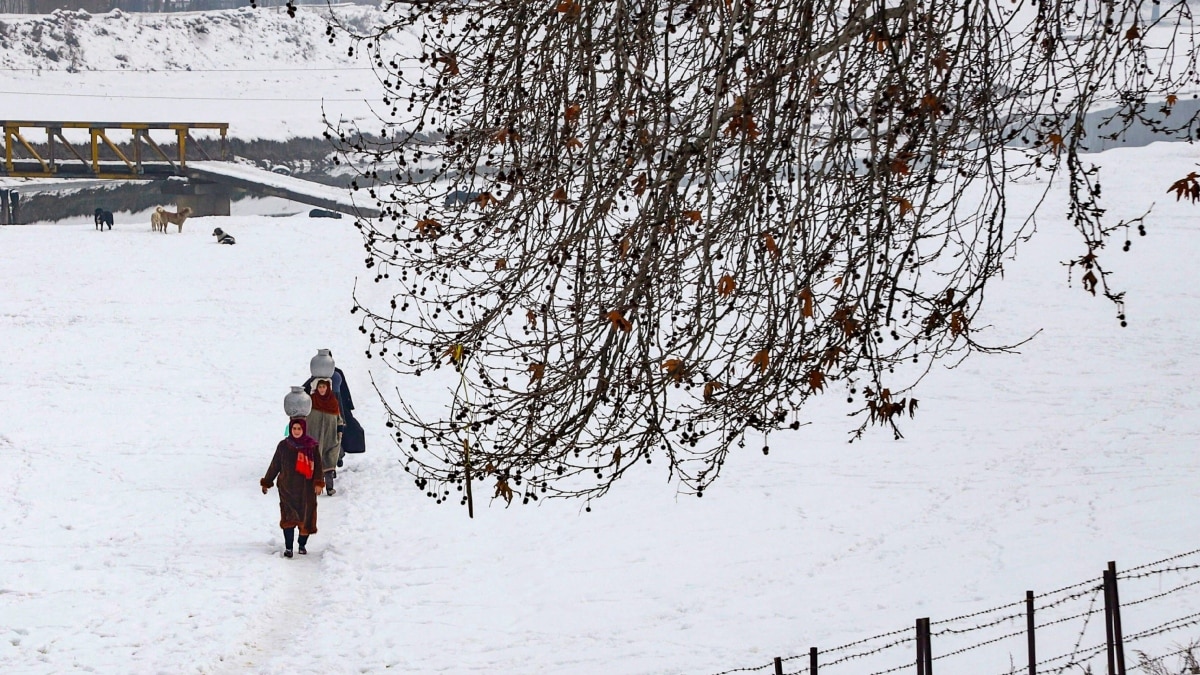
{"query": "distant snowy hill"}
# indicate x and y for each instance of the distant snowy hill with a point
(271, 76)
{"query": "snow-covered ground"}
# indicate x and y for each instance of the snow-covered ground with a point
(144, 378)
(143, 383)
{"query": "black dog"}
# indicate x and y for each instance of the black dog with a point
(223, 237)
(103, 218)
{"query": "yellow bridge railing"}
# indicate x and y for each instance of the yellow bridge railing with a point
(90, 165)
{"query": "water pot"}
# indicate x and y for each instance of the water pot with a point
(297, 403)
(321, 365)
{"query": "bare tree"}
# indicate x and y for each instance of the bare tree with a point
(637, 229)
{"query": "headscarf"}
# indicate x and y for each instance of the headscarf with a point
(305, 447)
(327, 403)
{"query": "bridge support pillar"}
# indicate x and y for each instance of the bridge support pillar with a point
(205, 205)
(205, 199)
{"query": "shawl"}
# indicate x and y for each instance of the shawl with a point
(327, 403)
(305, 447)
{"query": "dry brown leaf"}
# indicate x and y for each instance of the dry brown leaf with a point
(1172, 99)
(502, 263)
(931, 105)
(709, 389)
(726, 286)
(1187, 186)
(574, 143)
(560, 195)
(572, 113)
(693, 216)
(762, 359)
(506, 136)
(503, 491)
(639, 184)
(942, 61)
(536, 371)
(618, 321)
(485, 199)
(905, 205)
(428, 227)
(451, 62)
(454, 353)
(674, 368)
(1089, 282)
(1056, 142)
(771, 246)
(958, 323)
(806, 302)
(816, 380)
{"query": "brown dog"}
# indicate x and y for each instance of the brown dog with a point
(161, 216)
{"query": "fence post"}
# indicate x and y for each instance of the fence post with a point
(929, 649)
(812, 661)
(778, 666)
(924, 653)
(1108, 624)
(1118, 637)
(920, 651)
(1029, 629)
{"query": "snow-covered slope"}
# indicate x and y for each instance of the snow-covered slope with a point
(143, 384)
(270, 76)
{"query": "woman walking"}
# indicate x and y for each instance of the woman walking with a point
(300, 473)
(325, 425)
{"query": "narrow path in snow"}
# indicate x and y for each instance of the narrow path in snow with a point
(286, 613)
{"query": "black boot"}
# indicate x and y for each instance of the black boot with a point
(329, 476)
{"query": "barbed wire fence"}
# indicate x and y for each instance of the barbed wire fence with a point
(1097, 619)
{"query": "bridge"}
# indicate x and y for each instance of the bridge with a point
(196, 176)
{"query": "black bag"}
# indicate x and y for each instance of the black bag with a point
(354, 439)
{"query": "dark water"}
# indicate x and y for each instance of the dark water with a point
(307, 158)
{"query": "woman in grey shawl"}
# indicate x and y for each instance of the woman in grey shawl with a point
(325, 424)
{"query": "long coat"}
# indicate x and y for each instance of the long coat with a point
(297, 494)
(324, 427)
(354, 438)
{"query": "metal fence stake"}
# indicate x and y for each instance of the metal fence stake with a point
(1029, 629)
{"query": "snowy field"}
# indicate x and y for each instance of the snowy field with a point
(144, 378)
(143, 383)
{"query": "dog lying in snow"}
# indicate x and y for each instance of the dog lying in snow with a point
(223, 237)
(161, 217)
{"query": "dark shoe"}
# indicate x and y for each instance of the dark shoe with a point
(303, 551)
(287, 553)
(339, 463)
(330, 491)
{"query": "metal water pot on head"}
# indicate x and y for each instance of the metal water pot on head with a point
(321, 365)
(297, 403)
